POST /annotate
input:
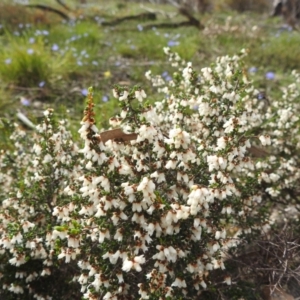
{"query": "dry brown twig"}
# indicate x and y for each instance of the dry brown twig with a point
(274, 259)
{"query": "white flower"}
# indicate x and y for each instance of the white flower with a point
(115, 93)
(118, 236)
(73, 242)
(171, 164)
(146, 186)
(140, 95)
(46, 272)
(124, 96)
(213, 162)
(16, 289)
(17, 239)
(26, 225)
(203, 284)
(120, 277)
(18, 260)
(179, 283)
(179, 138)
(221, 143)
(47, 158)
(166, 50)
(103, 234)
(265, 140)
(37, 149)
(274, 177)
(160, 176)
(170, 253)
(134, 263)
(230, 125)
(207, 73)
(217, 235)
(228, 280)
(272, 191)
(146, 133)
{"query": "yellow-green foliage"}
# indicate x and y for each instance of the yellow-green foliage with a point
(280, 50)
(27, 64)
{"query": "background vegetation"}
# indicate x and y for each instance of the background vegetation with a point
(47, 60)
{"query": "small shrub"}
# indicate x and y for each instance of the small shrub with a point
(42, 166)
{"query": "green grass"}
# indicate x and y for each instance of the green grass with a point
(27, 64)
(280, 51)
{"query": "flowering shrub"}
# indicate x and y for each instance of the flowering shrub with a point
(155, 211)
(33, 177)
(280, 172)
(147, 214)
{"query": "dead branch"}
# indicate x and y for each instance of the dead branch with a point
(64, 5)
(141, 17)
(192, 21)
(50, 9)
(167, 15)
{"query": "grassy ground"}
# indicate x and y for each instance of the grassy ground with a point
(47, 61)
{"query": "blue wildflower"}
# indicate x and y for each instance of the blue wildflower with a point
(84, 92)
(172, 43)
(25, 101)
(252, 70)
(164, 74)
(270, 75)
(54, 47)
(260, 96)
